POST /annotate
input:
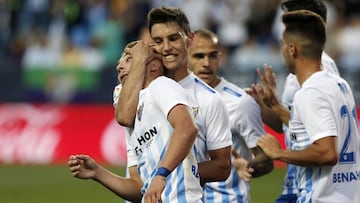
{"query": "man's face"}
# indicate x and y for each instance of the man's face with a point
(204, 59)
(123, 67)
(172, 43)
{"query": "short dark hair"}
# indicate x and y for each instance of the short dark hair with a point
(309, 30)
(316, 6)
(207, 34)
(168, 14)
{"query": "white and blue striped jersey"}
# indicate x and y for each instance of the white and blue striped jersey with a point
(150, 139)
(132, 160)
(325, 106)
(246, 127)
(290, 88)
(210, 116)
(127, 131)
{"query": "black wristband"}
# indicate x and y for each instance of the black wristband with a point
(162, 171)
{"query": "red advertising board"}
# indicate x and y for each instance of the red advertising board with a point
(49, 133)
(46, 133)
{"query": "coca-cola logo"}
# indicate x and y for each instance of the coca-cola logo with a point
(27, 133)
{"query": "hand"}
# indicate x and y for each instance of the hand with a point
(255, 91)
(157, 186)
(82, 166)
(270, 145)
(242, 166)
(138, 49)
(268, 92)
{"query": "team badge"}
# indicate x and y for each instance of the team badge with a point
(139, 111)
(195, 111)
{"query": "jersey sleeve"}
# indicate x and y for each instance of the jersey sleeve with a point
(167, 93)
(217, 125)
(131, 156)
(248, 121)
(316, 113)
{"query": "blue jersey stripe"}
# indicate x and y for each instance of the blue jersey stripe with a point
(201, 83)
(232, 92)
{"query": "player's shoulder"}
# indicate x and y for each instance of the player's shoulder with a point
(205, 95)
(235, 95)
(163, 82)
(199, 88)
(163, 79)
(202, 86)
(319, 83)
(232, 91)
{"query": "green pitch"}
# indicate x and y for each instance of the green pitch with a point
(54, 184)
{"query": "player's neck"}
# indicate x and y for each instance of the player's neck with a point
(305, 68)
(177, 74)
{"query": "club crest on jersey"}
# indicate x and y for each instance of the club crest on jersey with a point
(139, 111)
(195, 110)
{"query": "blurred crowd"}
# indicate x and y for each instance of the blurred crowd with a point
(66, 50)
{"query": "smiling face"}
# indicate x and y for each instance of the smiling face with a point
(204, 59)
(172, 43)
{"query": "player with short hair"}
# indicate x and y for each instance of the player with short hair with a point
(246, 125)
(170, 31)
(323, 124)
(277, 119)
(160, 147)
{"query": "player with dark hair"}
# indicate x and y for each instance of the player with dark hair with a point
(322, 125)
(276, 117)
(161, 154)
(170, 31)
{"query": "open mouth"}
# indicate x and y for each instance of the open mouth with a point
(169, 58)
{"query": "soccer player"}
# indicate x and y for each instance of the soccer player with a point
(245, 121)
(323, 125)
(160, 147)
(277, 117)
(170, 31)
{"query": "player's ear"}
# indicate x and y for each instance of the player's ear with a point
(155, 65)
(293, 49)
(191, 37)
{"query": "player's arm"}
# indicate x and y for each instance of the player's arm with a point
(126, 188)
(271, 119)
(84, 167)
(261, 163)
(250, 128)
(183, 136)
(125, 110)
(268, 116)
(181, 142)
(320, 152)
(273, 112)
(218, 168)
(282, 114)
(219, 141)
